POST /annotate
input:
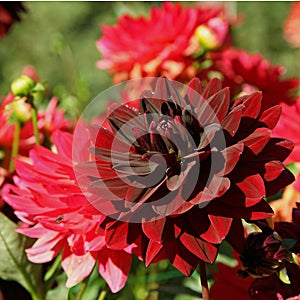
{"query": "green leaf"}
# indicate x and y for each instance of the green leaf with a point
(288, 243)
(59, 291)
(39, 87)
(175, 289)
(14, 263)
(293, 168)
(71, 296)
(226, 260)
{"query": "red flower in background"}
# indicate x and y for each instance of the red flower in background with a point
(228, 285)
(160, 45)
(175, 175)
(54, 210)
(9, 13)
(291, 28)
(245, 73)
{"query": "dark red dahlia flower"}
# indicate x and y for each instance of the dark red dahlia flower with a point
(246, 73)
(176, 175)
(54, 210)
(9, 13)
(160, 45)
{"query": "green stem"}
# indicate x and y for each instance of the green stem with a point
(15, 146)
(103, 292)
(51, 274)
(82, 288)
(203, 278)
(35, 125)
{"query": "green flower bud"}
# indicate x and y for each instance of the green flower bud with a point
(19, 111)
(22, 86)
(206, 37)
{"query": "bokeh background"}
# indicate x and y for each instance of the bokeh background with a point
(59, 40)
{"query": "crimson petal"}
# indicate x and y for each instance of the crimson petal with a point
(254, 189)
(271, 116)
(232, 121)
(257, 140)
(154, 230)
(231, 155)
(153, 251)
(200, 248)
(115, 235)
(218, 229)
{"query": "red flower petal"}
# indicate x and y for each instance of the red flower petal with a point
(257, 140)
(76, 267)
(202, 249)
(231, 155)
(273, 170)
(271, 116)
(154, 230)
(212, 88)
(232, 121)
(218, 229)
(115, 235)
(153, 251)
(254, 189)
(114, 267)
(180, 257)
(252, 105)
(219, 102)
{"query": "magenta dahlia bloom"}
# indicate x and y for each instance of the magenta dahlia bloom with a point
(246, 73)
(54, 210)
(160, 45)
(176, 175)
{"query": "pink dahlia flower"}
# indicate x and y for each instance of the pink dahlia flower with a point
(47, 199)
(160, 45)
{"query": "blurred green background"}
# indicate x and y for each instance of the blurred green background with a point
(59, 40)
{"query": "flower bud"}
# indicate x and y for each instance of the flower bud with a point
(22, 86)
(263, 255)
(212, 35)
(19, 110)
